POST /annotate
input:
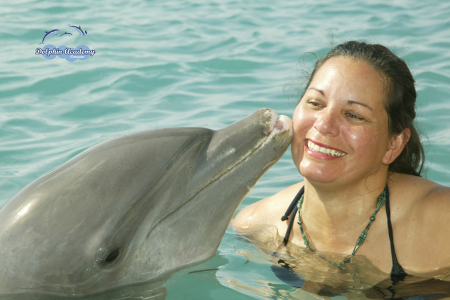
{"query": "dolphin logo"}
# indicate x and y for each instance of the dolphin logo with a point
(80, 31)
(49, 33)
(135, 208)
(65, 33)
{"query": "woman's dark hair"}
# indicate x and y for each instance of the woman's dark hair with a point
(400, 101)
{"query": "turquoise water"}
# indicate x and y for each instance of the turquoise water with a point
(197, 63)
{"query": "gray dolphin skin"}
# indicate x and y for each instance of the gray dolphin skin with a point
(49, 33)
(135, 208)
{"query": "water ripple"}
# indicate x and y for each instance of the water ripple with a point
(194, 63)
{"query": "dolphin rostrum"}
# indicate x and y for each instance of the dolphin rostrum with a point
(49, 33)
(135, 208)
(78, 28)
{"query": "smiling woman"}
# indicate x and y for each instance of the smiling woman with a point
(356, 146)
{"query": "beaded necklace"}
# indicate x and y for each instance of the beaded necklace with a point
(359, 242)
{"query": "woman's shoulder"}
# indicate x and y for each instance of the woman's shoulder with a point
(267, 211)
(419, 197)
(420, 210)
(416, 190)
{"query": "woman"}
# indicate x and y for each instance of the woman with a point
(356, 146)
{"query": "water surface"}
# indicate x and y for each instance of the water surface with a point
(198, 63)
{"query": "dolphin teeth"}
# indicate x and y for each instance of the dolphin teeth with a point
(323, 150)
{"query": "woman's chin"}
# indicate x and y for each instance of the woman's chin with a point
(317, 174)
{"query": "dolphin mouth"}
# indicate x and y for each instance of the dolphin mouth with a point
(278, 124)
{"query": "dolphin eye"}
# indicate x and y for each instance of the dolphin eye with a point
(112, 256)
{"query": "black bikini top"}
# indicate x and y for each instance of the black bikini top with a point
(397, 272)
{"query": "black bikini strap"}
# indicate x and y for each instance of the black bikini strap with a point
(291, 209)
(293, 204)
(397, 272)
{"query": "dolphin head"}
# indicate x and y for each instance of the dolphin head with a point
(134, 208)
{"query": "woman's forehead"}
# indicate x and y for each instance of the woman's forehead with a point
(353, 79)
(356, 70)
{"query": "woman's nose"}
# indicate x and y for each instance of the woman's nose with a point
(326, 123)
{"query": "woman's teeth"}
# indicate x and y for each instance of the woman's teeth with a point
(323, 150)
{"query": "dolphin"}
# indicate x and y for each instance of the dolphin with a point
(65, 33)
(135, 208)
(78, 28)
(49, 33)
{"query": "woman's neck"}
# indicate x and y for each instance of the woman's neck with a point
(334, 218)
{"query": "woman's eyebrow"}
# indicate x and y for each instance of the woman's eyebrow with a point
(320, 91)
(356, 102)
(349, 101)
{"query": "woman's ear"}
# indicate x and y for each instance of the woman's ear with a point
(398, 142)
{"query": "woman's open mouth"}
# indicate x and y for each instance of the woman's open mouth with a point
(324, 150)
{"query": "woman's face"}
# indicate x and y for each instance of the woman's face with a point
(340, 125)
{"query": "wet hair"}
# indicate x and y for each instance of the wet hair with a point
(400, 97)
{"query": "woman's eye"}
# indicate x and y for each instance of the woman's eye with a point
(354, 117)
(314, 104)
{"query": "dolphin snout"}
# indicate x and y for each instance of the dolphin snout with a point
(283, 123)
(273, 117)
(278, 123)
